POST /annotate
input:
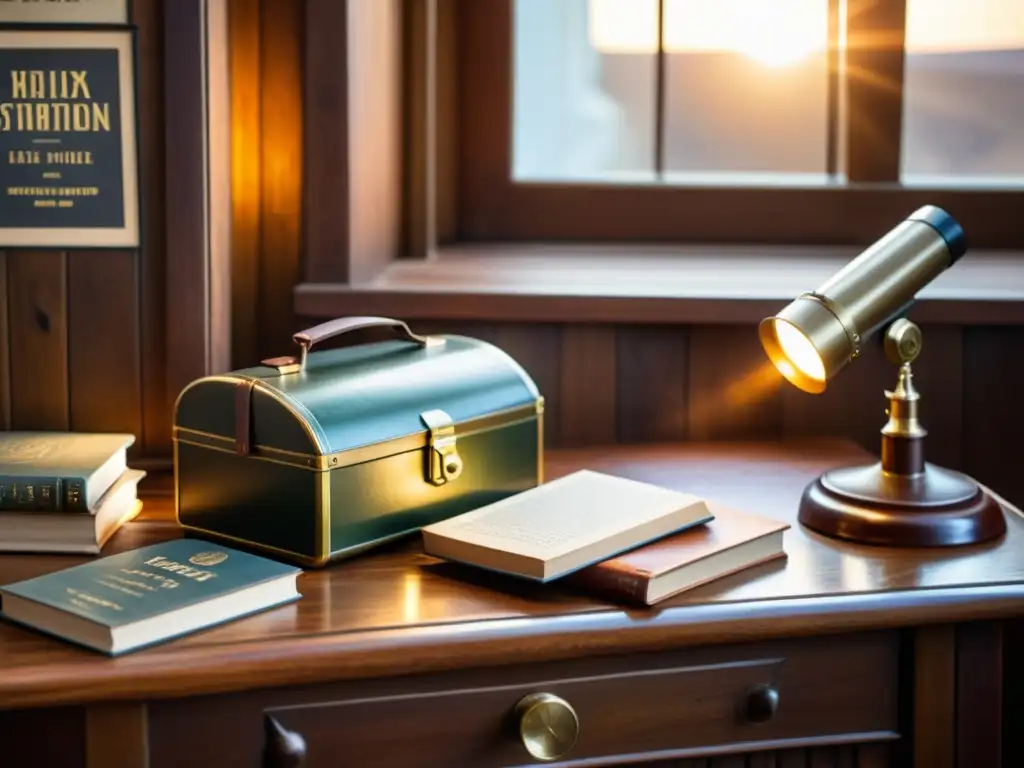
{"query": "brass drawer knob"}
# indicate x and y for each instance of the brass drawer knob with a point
(762, 703)
(281, 748)
(548, 725)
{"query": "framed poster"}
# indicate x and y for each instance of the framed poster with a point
(63, 11)
(68, 157)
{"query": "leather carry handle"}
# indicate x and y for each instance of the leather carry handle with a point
(334, 328)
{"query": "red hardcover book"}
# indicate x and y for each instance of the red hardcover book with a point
(732, 542)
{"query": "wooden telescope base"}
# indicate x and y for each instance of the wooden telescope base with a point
(934, 508)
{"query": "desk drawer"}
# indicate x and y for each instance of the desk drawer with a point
(833, 687)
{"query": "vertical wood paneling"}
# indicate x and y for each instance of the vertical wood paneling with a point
(446, 115)
(244, 51)
(538, 348)
(37, 307)
(185, 176)
(934, 697)
(281, 149)
(874, 755)
(374, 67)
(734, 392)
(419, 84)
(5, 350)
(651, 384)
(994, 366)
(104, 369)
(218, 179)
(939, 377)
(979, 694)
(326, 134)
(588, 386)
(116, 735)
(647, 383)
(156, 404)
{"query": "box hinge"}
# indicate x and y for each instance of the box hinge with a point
(243, 416)
(443, 461)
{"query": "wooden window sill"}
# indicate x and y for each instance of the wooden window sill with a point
(625, 284)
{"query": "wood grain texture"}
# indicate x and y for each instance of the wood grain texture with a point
(104, 355)
(680, 704)
(465, 718)
(116, 736)
(446, 110)
(733, 388)
(538, 348)
(587, 392)
(993, 363)
(246, 178)
(641, 283)
(374, 69)
(218, 183)
(281, 167)
(37, 314)
(652, 384)
(157, 403)
(187, 233)
(935, 697)
(328, 252)
(875, 756)
(350, 622)
(419, 128)
(979, 694)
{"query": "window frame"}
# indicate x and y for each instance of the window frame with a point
(495, 208)
(406, 195)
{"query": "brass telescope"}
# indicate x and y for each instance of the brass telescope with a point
(901, 500)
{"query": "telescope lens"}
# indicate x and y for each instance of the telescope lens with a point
(799, 353)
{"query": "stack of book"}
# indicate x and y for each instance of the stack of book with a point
(65, 492)
(625, 539)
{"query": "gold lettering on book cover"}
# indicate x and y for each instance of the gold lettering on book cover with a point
(181, 569)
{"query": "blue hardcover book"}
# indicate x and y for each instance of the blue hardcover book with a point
(134, 599)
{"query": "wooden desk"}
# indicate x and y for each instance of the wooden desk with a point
(879, 657)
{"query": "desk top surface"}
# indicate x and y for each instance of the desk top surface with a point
(396, 610)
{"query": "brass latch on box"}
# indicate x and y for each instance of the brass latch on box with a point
(444, 463)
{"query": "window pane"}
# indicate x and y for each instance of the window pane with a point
(963, 112)
(747, 87)
(584, 90)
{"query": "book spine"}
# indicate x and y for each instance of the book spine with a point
(613, 582)
(42, 494)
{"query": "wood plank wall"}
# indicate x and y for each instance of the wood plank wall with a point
(82, 336)
(629, 384)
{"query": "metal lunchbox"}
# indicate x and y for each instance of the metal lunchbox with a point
(316, 457)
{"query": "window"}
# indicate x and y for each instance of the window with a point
(734, 104)
(963, 116)
(759, 121)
